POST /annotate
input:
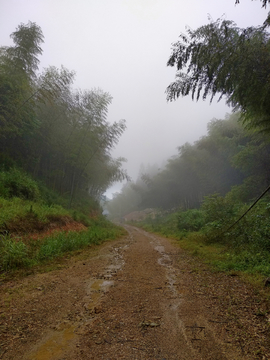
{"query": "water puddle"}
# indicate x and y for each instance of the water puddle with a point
(57, 342)
(176, 298)
(98, 285)
(55, 345)
(160, 249)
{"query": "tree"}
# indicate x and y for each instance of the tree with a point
(264, 2)
(18, 64)
(220, 58)
(59, 135)
(24, 54)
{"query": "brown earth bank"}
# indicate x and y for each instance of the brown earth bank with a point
(30, 227)
(139, 297)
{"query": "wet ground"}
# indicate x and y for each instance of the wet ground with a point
(140, 297)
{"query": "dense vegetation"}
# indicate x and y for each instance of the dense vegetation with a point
(202, 193)
(29, 213)
(228, 158)
(54, 133)
(222, 59)
(30, 251)
(207, 233)
(55, 145)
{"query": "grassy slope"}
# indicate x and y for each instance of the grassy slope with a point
(28, 209)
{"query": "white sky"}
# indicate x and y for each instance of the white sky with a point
(122, 47)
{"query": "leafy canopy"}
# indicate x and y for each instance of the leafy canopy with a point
(57, 134)
(27, 39)
(220, 58)
(264, 2)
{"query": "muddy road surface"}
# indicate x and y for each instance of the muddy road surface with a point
(140, 297)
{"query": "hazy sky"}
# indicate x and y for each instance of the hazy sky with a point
(122, 47)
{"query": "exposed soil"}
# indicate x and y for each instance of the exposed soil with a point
(19, 227)
(140, 297)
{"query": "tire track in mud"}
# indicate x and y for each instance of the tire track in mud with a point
(135, 299)
(179, 313)
(55, 343)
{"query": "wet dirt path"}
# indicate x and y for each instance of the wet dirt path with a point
(134, 298)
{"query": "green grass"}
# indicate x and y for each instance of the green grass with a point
(20, 254)
(245, 249)
(16, 208)
(27, 207)
(13, 254)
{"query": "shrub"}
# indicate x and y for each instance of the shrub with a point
(16, 183)
(191, 220)
(218, 208)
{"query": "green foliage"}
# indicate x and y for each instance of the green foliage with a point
(264, 2)
(250, 189)
(63, 242)
(74, 139)
(13, 254)
(252, 231)
(17, 254)
(218, 208)
(16, 183)
(59, 135)
(220, 58)
(191, 220)
(17, 108)
(164, 223)
(27, 39)
(245, 247)
(18, 211)
(206, 167)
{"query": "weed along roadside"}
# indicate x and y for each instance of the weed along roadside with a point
(31, 250)
(136, 297)
(207, 233)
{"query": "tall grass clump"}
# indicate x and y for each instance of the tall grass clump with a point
(62, 242)
(13, 254)
(16, 253)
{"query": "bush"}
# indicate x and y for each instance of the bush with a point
(16, 183)
(253, 230)
(218, 208)
(191, 220)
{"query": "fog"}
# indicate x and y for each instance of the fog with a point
(122, 47)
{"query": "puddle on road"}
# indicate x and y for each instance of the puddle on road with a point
(55, 345)
(165, 260)
(56, 342)
(160, 249)
(95, 289)
(99, 285)
(176, 298)
(113, 267)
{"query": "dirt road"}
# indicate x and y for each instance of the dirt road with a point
(140, 297)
